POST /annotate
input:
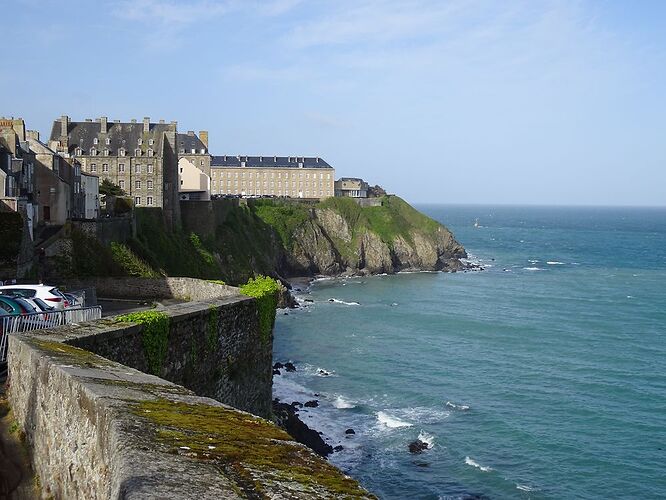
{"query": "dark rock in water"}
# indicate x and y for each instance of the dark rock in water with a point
(417, 446)
(276, 371)
(296, 403)
(338, 448)
(331, 300)
(311, 404)
(277, 366)
(308, 300)
(286, 314)
(422, 464)
(323, 373)
(350, 431)
(289, 367)
(316, 395)
(285, 417)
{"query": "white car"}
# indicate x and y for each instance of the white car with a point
(49, 294)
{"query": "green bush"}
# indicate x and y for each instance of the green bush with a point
(131, 264)
(265, 290)
(285, 218)
(155, 336)
(11, 233)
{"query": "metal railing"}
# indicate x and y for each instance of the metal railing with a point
(43, 321)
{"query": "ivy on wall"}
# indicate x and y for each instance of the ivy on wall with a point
(265, 290)
(155, 336)
(11, 232)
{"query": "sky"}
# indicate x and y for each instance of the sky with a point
(461, 101)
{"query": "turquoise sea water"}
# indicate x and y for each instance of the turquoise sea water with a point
(543, 376)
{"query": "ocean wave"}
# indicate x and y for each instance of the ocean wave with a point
(390, 421)
(342, 403)
(532, 261)
(338, 301)
(532, 269)
(524, 487)
(429, 439)
(471, 462)
(457, 407)
(554, 263)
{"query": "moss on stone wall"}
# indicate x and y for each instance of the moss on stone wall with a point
(265, 290)
(155, 336)
(253, 451)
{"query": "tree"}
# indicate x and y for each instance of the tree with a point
(109, 188)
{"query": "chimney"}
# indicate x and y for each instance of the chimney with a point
(32, 134)
(64, 125)
(102, 120)
(203, 135)
(162, 122)
(190, 133)
(146, 124)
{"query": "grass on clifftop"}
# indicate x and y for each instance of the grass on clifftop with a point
(265, 290)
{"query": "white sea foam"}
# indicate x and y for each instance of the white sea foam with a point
(532, 269)
(524, 487)
(390, 421)
(338, 301)
(342, 403)
(315, 371)
(554, 263)
(532, 261)
(457, 407)
(429, 439)
(471, 462)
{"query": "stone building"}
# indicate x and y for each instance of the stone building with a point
(141, 158)
(289, 176)
(194, 166)
(351, 187)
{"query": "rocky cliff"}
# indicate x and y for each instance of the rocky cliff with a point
(340, 237)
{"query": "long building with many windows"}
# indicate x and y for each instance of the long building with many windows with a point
(290, 176)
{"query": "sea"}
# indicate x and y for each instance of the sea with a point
(542, 376)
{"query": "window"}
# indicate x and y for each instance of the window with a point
(137, 152)
(121, 151)
(149, 200)
(201, 163)
(139, 142)
(121, 184)
(181, 183)
(137, 169)
(108, 141)
(194, 151)
(149, 184)
(93, 167)
(95, 141)
(105, 167)
(151, 142)
(121, 168)
(203, 151)
(106, 152)
(150, 152)
(78, 152)
(137, 184)
(137, 200)
(93, 152)
(181, 151)
(150, 169)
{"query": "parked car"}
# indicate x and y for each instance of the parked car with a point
(74, 300)
(48, 294)
(10, 306)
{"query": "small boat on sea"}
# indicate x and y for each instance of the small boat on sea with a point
(476, 223)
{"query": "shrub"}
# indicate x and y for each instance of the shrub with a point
(265, 290)
(131, 264)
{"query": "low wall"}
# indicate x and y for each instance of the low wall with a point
(214, 349)
(368, 202)
(98, 430)
(151, 288)
(107, 229)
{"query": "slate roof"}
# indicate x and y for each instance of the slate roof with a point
(268, 161)
(125, 135)
(189, 142)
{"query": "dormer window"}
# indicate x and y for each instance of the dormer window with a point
(203, 151)
(139, 142)
(93, 152)
(108, 141)
(106, 152)
(194, 151)
(95, 141)
(121, 152)
(151, 142)
(150, 152)
(78, 152)
(182, 151)
(243, 164)
(137, 152)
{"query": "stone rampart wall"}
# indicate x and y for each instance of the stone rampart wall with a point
(151, 288)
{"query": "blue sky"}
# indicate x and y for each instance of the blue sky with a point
(465, 101)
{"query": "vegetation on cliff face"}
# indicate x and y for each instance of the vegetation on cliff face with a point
(11, 233)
